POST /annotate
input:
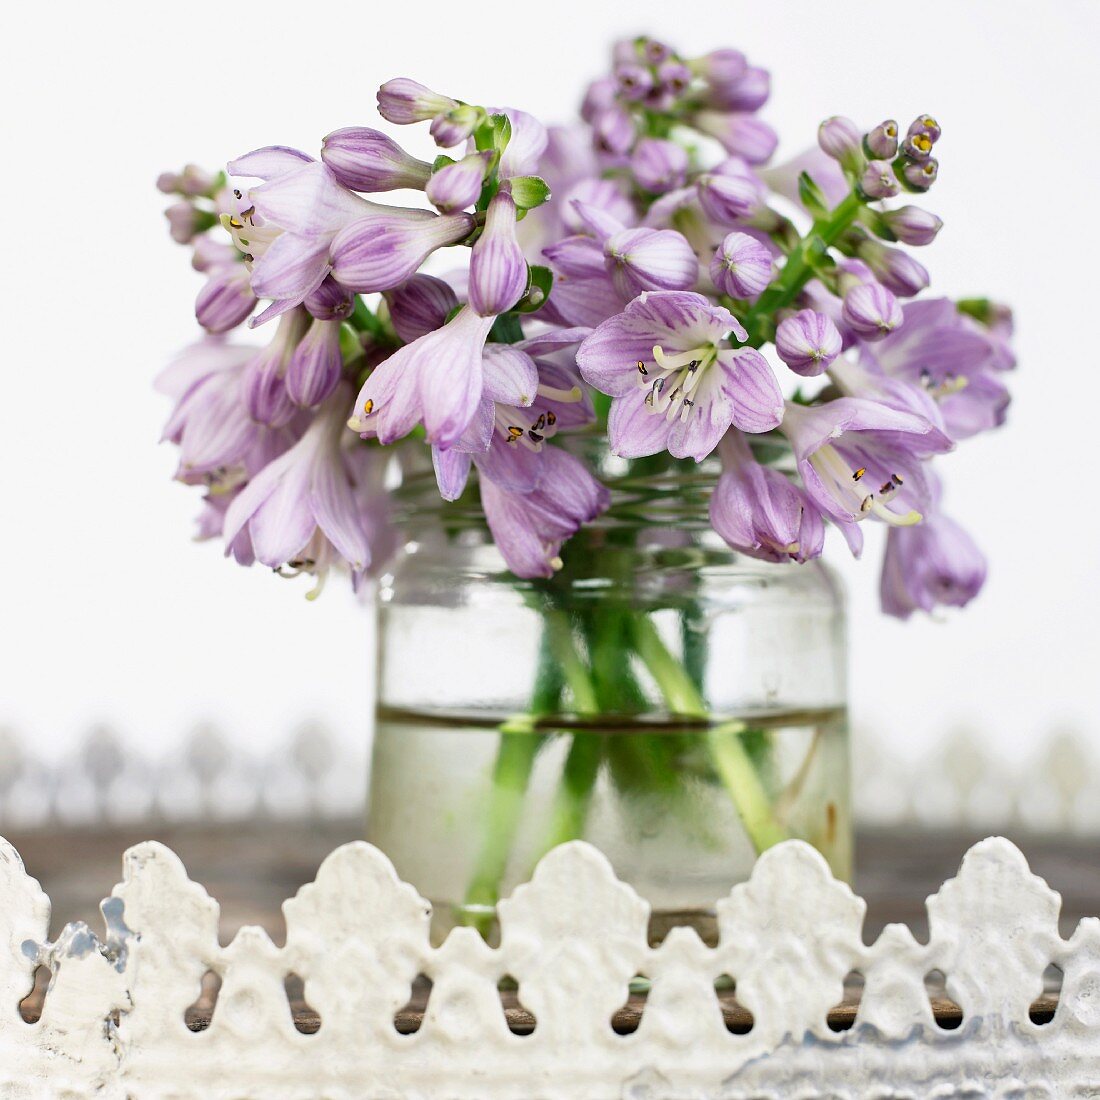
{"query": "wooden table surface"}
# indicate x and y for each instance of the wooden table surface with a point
(251, 868)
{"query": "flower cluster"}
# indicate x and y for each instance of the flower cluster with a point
(644, 273)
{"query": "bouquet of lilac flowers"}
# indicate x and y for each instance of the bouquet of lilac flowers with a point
(643, 275)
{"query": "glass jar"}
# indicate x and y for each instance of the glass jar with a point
(677, 704)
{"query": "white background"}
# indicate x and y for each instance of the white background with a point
(109, 612)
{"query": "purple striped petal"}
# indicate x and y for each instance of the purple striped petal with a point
(269, 162)
(509, 375)
(291, 268)
(384, 249)
(750, 383)
(651, 259)
(633, 429)
(498, 270)
(308, 201)
(452, 470)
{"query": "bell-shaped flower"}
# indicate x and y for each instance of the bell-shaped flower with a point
(742, 266)
(458, 186)
(403, 101)
(676, 384)
(498, 270)
(633, 260)
(219, 444)
(435, 381)
(363, 159)
(530, 395)
(316, 364)
(935, 564)
(420, 305)
(953, 359)
(807, 342)
(730, 193)
(226, 298)
(304, 511)
(871, 311)
(759, 511)
(858, 458)
(529, 528)
(386, 246)
(739, 133)
(264, 381)
(659, 165)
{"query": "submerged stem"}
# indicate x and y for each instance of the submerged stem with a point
(731, 761)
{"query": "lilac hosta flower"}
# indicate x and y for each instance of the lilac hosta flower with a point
(739, 133)
(950, 358)
(264, 381)
(748, 92)
(633, 80)
(878, 180)
(912, 225)
(458, 186)
(759, 512)
(498, 270)
(404, 101)
(185, 222)
(881, 143)
(730, 193)
(840, 138)
(659, 165)
(386, 246)
(525, 147)
(614, 130)
(529, 528)
(219, 445)
(675, 384)
(455, 126)
(931, 565)
(919, 175)
(871, 311)
(526, 402)
(721, 69)
(858, 458)
(329, 302)
(636, 260)
(650, 259)
(605, 196)
(420, 305)
(316, 364)
(923, 133)
(192, 182)
(303, 511)
(226, 298)
(363, 159)
(742, 266)
(435, 381)
(808, 342)
(894, 269)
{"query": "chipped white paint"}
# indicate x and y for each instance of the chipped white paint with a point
(113, 1023)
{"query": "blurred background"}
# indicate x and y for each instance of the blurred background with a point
(143, 674)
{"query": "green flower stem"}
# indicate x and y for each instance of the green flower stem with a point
(574, 795)
(520, 743)
(735, 768)
(582, 763)
(731, 761)
(800, 267)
